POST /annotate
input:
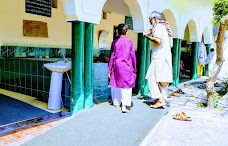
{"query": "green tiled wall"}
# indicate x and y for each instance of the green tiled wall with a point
(17, 51)
(101, 91)
(29, 77)
(25, 76)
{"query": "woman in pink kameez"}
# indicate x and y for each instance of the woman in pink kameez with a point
(122, 68)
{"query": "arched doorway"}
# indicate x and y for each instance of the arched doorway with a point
(112, 14)
(188, 52)
(131, 10)
(116, 12)
(206, 39)
(206, 36)
(127, 8)
(169, 16)
(105, 14)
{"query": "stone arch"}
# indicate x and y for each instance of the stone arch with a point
(206, 36)
(136, 13)
(187, 34)
(192, 31)
(91, 11)
(202, 38)
(169, 16)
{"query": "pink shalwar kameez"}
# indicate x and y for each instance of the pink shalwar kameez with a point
(122, 67)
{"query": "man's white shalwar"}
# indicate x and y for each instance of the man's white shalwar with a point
(160, 69)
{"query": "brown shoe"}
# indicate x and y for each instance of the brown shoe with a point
(182, 117)
(159, 104)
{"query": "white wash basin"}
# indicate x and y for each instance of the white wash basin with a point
(59, 66)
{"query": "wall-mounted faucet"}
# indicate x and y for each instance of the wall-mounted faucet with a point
(64, 58)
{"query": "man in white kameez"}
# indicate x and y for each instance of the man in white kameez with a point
(202, 58)
(159, 74)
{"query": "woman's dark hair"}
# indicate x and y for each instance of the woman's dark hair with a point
(212, 49)
(122, 29)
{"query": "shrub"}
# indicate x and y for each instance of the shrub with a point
(224, 88)
(217, 97)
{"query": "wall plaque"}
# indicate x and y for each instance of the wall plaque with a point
(35, 29)
(39, 7)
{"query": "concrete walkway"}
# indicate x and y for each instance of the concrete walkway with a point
(208, 127)
(106, 125)
(103, 125)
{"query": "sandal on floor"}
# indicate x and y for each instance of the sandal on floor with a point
(186, 85)
(158, 104)
(174, 94)
(202, 86)
(182, 117)
(177, 91)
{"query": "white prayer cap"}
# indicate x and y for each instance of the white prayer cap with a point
(156, 15)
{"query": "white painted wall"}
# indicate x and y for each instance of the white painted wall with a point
(178, 13)
(12, 14)
(108, 25)
(11, 27)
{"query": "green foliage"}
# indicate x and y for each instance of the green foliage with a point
(224, 88)
(199, 103)
(217, 97)
(220, 8)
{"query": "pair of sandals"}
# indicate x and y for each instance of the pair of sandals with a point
(202, 86)
(177, 92)
(186, 85)
(158, 104)
(182, 117)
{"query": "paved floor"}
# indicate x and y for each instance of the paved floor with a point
(106, 125)
(15, 110)
(28, 132)
(208, 127)
(21, 136)
(103, 125)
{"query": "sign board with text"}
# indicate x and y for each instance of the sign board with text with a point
(39, 7)
(35, 29)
